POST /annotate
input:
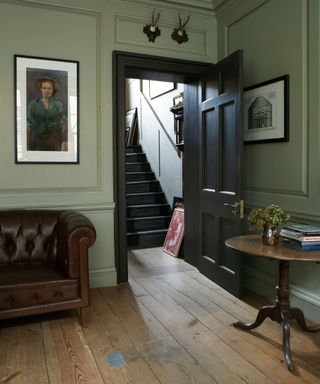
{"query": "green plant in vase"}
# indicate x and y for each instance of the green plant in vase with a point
(268, 220)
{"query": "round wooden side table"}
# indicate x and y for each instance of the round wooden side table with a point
(281, 311)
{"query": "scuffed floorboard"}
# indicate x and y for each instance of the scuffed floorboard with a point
(168, 324)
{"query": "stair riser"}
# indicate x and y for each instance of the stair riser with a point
(148, 211)
(136, 158)
(140, 176)
(143, 187)
(149, 199)
(146, 241)
(138, 167)
(134, 149)
(147, 224)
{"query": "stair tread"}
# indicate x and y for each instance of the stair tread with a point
(150, 231)
(147, 205)
(144, 193)
(148, 218)
(139, 173)
(142, 181)
(138, 162)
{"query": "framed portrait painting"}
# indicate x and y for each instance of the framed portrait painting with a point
(175, 233)
(46, 110)
(266, 111)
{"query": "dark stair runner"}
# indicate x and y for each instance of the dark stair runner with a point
(148, 213)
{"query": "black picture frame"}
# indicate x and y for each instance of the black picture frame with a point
(266, 111)
(131, 126)
(46, 110)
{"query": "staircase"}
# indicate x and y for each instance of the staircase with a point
(148, 213)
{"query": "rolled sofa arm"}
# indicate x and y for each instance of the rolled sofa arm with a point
(75, 234)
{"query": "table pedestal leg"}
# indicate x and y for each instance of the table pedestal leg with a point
(281, 312)
(297, 314)
(270, 311)
(286, 341)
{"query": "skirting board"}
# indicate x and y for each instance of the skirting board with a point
(264, 284)
(102, 277)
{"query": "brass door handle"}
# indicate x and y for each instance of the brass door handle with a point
(238, 208)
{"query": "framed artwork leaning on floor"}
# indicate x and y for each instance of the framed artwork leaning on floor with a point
(175, 233)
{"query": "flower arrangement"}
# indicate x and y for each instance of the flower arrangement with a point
(272, 214)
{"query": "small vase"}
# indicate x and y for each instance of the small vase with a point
(270, 234)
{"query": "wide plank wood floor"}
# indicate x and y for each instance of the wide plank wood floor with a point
(168, 325)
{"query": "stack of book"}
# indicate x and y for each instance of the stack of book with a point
(302, 237)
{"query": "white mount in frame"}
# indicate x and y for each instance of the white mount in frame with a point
(47, 110)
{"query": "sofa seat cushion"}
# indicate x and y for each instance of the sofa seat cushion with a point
(30, 285)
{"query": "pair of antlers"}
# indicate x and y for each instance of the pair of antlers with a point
(180, 27)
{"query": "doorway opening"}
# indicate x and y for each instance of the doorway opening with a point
(154, 169)
(126, 66)
(154, 159)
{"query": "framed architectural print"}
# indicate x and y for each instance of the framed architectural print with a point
(266, 111)
(46, 110)
(175, 233)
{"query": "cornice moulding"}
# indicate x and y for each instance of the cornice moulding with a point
(200, 7)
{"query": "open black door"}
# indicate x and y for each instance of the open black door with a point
(212, 181)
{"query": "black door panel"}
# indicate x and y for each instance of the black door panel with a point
(215, 174)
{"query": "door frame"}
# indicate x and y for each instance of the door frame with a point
(139, 66)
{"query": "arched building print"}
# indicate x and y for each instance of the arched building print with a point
(260, 113)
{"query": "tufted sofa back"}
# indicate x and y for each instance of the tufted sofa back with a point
(28, 237)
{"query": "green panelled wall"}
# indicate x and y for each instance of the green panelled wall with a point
(87, 31)
(277, 36)
(282, 37)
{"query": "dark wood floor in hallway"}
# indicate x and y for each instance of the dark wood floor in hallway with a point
(168, 325)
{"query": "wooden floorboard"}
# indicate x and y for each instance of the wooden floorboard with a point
(167, 325)
(22, 357)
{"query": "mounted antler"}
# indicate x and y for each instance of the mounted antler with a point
(181, 27)
(154, 23)
(151, 30)
(179, 34)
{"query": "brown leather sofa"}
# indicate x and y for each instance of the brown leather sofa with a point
(44, 262)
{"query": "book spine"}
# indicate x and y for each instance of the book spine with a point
(298, 236)
(311, 238)
(306, 239)
(301, 232)
(299, 247)
(309, 242)
(310, 248)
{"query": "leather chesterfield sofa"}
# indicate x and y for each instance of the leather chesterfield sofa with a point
(44, 262)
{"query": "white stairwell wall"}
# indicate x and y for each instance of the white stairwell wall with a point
(154, 117)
